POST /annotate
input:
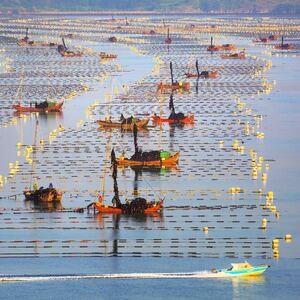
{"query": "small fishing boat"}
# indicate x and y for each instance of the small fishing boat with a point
(240, 55)
(157, 161)
(214, 48)
(175, 85)
(40, 195)
(283, 46)
(49, 194)
(64, 51)
(136, 206)
(25, 41)
(112, 39)
(241, 269)
(104, 55)
(154, 158)
(174, 117)
(202, 74)
(123, 124)
(42, 107)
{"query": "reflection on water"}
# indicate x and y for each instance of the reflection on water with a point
(242, 286)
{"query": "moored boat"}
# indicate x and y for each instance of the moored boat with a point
(123, 125)
(175, 85)
(158, 161)
(241, 269)
(49, 194)
(137, 206)
(104, 55)
(189, 119)
(202, 74)
(47, 107)
(154, 158)
(240, 55)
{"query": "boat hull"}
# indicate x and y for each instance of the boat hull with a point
(187, 120)
(211, 74)
(107, 124)
(105, 209)
(54, 108)
(239, 56)
(172, 160)
(253, 271)
(43, 195)
(176, 86)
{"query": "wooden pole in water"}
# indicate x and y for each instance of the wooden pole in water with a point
(171, 69)
(197, 68)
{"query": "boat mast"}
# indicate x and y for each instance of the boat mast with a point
(171, 69)
(114, 176)
(136, 149)
(197, 68)
(282, 41)
(171, 104)
(34, 151)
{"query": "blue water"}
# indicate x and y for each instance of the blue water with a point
(47, 241)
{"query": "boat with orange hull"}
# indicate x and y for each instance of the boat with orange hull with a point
(171, 160)
(214, 48)
(108, 124)
(240, 55)
(203, 74)
(152, 208)
(71, 54)
(54, 108)
(104, 55)
(175, 86)
(187, 120)
(283, 46)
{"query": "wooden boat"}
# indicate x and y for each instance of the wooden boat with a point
(65, 52)
(283, 46)
(189, 119)
(174, 117)
(135, 207)
(53, 108)
(228, 47)
(214, 48)
(49, 194)
(175, 85)
(104, 55)
(108, 124)
(203, 74)
(71, 54)
(149, 158)
(152, 208)
(172, 160)
(26, 42)
(240, 55)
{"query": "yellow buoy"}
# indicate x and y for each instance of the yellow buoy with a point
(264, 223)
(288, 237)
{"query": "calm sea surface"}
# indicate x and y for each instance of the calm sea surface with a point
(44, 241)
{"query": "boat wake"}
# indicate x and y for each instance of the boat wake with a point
(201, 274)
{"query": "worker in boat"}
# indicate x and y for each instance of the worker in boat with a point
(121, 118)
(35, 187)
(114, 201)
(133, 120)
(109, 119)
(100, 199)
(51, 185)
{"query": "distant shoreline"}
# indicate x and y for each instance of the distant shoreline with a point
(158, 13)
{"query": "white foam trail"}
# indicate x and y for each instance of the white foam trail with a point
(202, 274)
